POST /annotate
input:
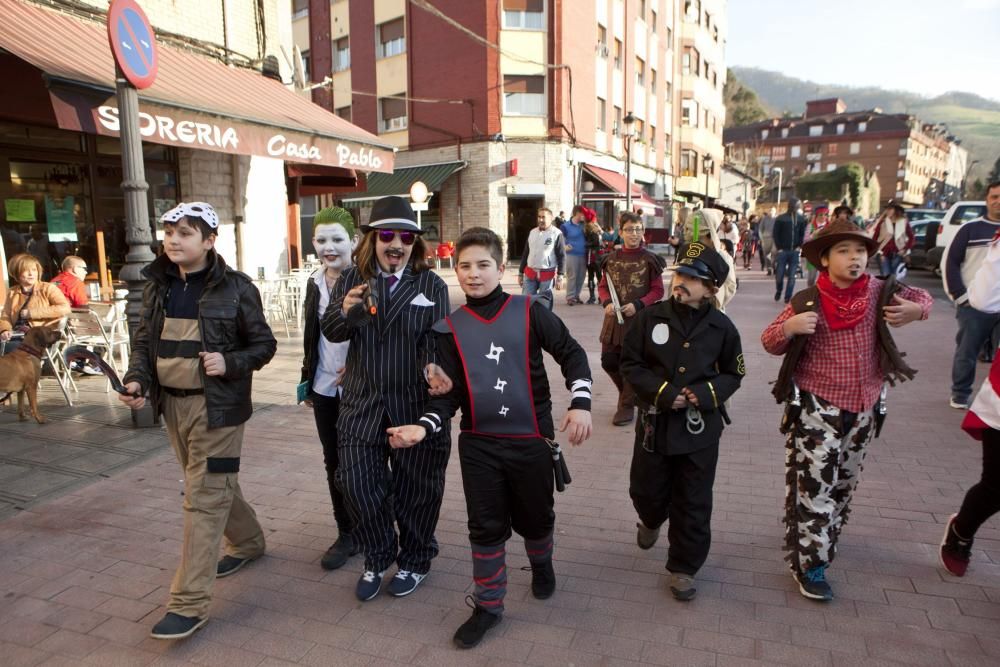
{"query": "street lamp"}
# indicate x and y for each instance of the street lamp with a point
(418, 199)
(780, 172)
(629, 122)
(707, 161)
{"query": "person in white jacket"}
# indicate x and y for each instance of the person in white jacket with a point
(982, 422)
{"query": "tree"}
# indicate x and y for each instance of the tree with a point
(742, 105)
(995, 174)
(978, 189)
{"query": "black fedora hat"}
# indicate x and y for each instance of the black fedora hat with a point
(392, 213)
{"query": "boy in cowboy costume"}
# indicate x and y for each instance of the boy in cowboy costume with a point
(492, 348)
(838, 356)
(684, 359)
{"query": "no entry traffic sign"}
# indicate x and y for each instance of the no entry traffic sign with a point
(133, 42)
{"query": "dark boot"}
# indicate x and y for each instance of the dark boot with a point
(341, 550)
(625, 413)
(470, 633)
(593, 298)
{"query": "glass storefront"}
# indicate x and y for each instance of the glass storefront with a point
(62, 195)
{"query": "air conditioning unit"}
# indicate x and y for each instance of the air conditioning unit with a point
(393, 124)
(602, 50)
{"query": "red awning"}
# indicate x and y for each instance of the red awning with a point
(196, 102)
(615, 183)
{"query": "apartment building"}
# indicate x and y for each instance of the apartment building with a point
(915, 163)
(504, 106)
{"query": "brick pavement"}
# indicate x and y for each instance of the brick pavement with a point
(83, 577)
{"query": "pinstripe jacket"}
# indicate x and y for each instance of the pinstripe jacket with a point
(388, 352)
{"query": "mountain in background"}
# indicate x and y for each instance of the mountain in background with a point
(973, 119)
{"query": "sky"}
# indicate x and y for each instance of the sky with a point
(922, 46)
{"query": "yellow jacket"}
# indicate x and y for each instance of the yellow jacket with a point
(46, 305)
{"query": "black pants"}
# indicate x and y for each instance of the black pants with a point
(325, 410)
(983, 500)
(679, 488)
(408, 496)
(593, 277)
(508, 486)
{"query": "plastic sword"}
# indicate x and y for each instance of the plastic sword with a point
(614, 299)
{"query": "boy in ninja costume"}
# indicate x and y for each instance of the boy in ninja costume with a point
(838, 356)
(492, 349)
(684, 359)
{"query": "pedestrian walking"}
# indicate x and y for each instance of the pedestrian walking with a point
(766, 232)
(636, 276)
(201, 336)
(788, 232)
(839, 355)
(576, 254)
(748, 231)
(729, 234)
(543, 259)
(492, 347)
(592, 233)
(982, 422)
(324, 364)
(388, 302)
(895, 238)
(962, 260)
(820, 218)
(684, 359)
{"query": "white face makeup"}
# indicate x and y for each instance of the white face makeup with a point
(333, 246)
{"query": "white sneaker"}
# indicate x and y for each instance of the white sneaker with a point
(959, 405)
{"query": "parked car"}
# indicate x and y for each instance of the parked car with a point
(959, 213)
(914, 214)
(917, 259)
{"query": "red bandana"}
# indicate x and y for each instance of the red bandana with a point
(843, 308)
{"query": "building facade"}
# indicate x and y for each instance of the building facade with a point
(910, 159)
(504, 106)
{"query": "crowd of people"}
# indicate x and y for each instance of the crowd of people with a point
(387, 362)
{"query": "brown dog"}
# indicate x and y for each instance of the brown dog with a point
(20, 369)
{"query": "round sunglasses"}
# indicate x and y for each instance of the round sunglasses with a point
(387, 235)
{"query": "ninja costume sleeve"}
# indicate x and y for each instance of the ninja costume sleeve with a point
(713, 393)
(553, 337)
(652, 387)
(441, 409)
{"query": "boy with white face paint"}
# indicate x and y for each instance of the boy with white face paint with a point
(324, 362)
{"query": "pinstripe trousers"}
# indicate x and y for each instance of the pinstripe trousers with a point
(384, 486)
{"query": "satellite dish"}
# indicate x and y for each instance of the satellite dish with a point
(298, 74)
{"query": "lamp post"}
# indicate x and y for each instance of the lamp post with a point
(418, 199)
(629, 122)
(707, 161)
(780, 172)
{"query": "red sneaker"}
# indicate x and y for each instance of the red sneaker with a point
(954, 552)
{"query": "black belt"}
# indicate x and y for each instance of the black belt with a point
(182, 393)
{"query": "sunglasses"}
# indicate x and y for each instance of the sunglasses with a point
(387, 235)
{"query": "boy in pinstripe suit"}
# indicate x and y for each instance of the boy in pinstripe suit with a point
(388, 302)
(492, 350)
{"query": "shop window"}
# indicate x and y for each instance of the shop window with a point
(392, 114)
(391, 38)
(524, 14)
(344, 112)
(40, 137)
(342, 54)
(524, 95)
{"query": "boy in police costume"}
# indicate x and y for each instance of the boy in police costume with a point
(201, 336)
(683, 358)
(492, 349)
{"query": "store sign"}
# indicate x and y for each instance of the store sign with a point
(191, 129)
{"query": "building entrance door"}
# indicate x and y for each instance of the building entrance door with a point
(522, 217)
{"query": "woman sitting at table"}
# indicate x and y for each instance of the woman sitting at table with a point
(31, 303)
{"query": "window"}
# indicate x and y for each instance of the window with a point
(692, 11)
(689, 162)
(652, 20)
(666, 143)
(763, 134)
(796, 151)
(784, 132)
(831, 167)
(524, 95)
(343, 112)
(815, 130)
(652, 81)
(840, 128)
(602, 112)
(392, 114)
(670, 91)
(831, 149)
(602, 41)
(862, 126)
(618, 121)
(690, 61)
(638, 130)
(391, 38)
(855, 147)
(618, 55)
(642, 9)
(652, 136)
(778, 153)
(689, 113)
(524, 14)
(669, 41)
(342, 54)
(300, 8)
(814, 149)
(306, 64)
(640, 73)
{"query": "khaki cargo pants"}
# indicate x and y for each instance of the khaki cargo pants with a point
(213, 503)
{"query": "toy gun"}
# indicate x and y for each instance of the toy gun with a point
(614, 299)
(793, 410)
(880, 409)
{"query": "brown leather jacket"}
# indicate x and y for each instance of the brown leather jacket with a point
(46, 305)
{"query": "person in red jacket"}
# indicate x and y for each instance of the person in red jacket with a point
(70, 281)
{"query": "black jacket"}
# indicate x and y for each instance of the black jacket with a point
(789, 231)
(310, 333)
(698, 349)
(231, 319)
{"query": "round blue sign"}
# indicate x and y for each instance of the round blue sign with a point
(133, 42)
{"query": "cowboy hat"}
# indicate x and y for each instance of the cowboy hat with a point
(832, 234)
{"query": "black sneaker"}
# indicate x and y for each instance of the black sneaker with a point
(369, 585)
(812, 584)
(175, 626)
(338, 553)
(471, 632)
(230, 565)
(682, 586)
(777, 295)
(646, 537)
(543, 580)
(955, 552)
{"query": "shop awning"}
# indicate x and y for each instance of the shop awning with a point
(615, 189)
(196, 102)
(399, 181)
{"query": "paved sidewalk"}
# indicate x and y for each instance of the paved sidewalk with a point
(84, 576)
